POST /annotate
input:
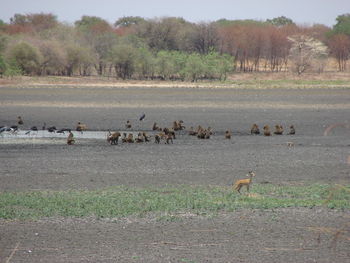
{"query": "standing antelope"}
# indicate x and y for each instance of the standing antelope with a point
(238, 184)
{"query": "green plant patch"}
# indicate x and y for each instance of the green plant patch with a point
(125, 201)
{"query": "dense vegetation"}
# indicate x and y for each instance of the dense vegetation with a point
(167, 48)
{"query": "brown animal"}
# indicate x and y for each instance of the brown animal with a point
(169, 138)
(130, 138)
(178, 125)
(156, 127)
(113, 138)
(19, 120)
(267, 130)
(278, 130)
(128, 124)
(292, 130)
(81, 127)
(192, 132)
(255, 129)
(139, 138)
(240, 183)
(145, 136)
(70, 138)
(228, 134)
(157, 138)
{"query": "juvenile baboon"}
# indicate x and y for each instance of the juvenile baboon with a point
(70, 138)
(128, 124)
(81, 127)
(238, 184)
(228, 134)
(278, 130)
(19, 120)
(255, 129)
(113, 138)
(292, 130)
(267, 130)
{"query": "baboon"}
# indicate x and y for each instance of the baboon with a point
(19, 120)
(70, 138)
(139, 138)
(255, 129)
(156, 127)
(113, 138)
(278, 130)
(177, 125)
(267, 130)
(128, 124)
(157, 138)
(192, 132)
(238, 184)
(145, 137)
(169, 138)
(124, 137)
(292, 130)
(130, 138)
(228, 134)
(81, 127)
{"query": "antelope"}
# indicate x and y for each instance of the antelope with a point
(238, 184)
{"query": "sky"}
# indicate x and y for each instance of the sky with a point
(302, 12)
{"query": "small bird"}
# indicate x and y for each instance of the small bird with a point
(142, 116)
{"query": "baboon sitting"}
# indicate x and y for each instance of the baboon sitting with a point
(124, 137)
(70, 139)
(292, 130)
(146, 138)
(255, 129)
(19, 120)
(130, 138)
(228, 134)
(278, 130)
(267, 130)
(139, 138)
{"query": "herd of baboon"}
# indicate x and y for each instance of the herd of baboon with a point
(166, 135)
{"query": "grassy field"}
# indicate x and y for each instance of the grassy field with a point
(124, 201)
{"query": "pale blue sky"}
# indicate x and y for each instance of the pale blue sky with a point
(300, 11)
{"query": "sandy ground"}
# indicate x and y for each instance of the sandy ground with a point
(283, 235)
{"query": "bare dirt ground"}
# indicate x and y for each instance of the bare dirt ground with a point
(282, 235)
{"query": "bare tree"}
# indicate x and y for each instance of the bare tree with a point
(305, 52)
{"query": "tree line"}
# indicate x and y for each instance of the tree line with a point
(168, 48)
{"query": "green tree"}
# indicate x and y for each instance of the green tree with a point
(127, 21)
(27, 57)
(280, 21)
(343, 25)
(124, 57)
(194, 68)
